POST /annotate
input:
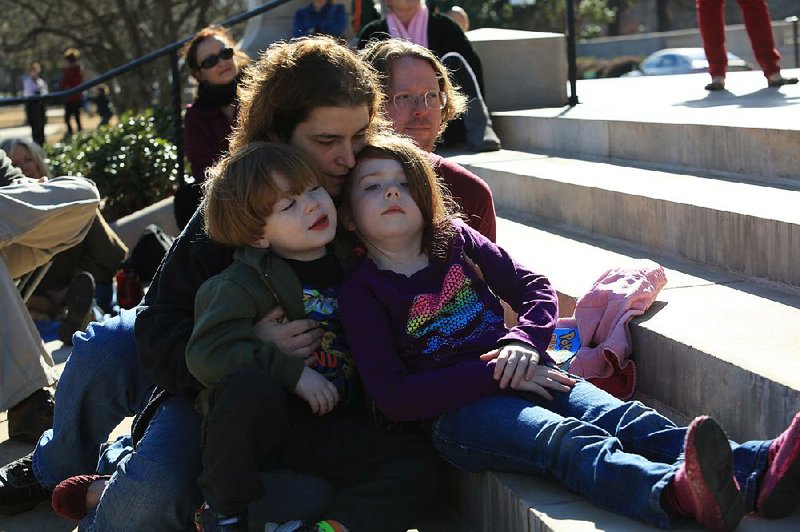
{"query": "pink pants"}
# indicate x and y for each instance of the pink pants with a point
(711, 19)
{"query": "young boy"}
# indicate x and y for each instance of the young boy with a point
(268, 200)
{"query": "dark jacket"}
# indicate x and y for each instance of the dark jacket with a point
(444, 36)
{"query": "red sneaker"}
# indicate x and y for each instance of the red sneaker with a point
(69, 497)
(704, 487)
(780, 488)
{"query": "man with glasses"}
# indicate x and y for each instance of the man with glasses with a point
(420, 101)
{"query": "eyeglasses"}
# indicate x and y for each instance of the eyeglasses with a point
(212, 60)
(432, 100)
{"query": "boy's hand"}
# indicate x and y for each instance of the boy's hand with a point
(298, 338)
(320, 394)
(545, 378)
(514, 362)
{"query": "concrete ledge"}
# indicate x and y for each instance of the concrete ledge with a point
(161, 213)
(741, 227)
(713, 343)
(512, 59)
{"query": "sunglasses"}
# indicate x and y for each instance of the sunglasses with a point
(212, 60)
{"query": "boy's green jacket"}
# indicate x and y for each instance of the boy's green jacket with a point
(229, 304)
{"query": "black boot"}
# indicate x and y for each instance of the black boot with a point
(19, 489)
(29, 418)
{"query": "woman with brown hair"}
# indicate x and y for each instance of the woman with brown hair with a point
(215, 63)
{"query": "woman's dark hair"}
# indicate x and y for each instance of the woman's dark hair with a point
(293, 78)
(190, 48)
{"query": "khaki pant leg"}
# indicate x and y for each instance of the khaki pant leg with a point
(25, 365)
(41, 219)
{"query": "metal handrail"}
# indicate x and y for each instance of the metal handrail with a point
(572, 61)
(171, 50)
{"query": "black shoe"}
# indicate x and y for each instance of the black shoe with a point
(80, 296)
(207, 520)
(29, 418)
(19, 489)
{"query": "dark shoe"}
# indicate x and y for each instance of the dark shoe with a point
(69, 497)
(80, 296)
(780, 82)
(779, 493)
(715, 86)
(19, 489)
(207, 520)
(704, 486)
(29, 418)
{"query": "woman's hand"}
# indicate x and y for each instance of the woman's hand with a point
(545, 378)
(298, 338)
(514, 362)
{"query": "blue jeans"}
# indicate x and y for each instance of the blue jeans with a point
(155, 486)
(619, 455)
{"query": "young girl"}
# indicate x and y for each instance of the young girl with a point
(427, 335)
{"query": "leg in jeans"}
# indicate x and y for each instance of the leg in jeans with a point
(759, 30)
(643, 431)
(155, 487)
(102, 384)
(508, 433)
(711, 20)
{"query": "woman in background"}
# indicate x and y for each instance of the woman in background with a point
(215, 63)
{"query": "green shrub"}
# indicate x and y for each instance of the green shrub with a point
(133, 163)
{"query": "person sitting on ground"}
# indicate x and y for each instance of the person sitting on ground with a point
(428, 337)
(320, 16)
(215, 63)
(263, 409)
(711, 19)
(411, 20)
(311, 93)
(72, 77)
(421, 102)
(38, 219)
(79, 275)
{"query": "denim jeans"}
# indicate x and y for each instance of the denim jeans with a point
(619, 455)
(155, 486)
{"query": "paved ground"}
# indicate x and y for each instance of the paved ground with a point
(671, 99)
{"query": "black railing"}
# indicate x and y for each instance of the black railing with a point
(171, 50)
(572, 61)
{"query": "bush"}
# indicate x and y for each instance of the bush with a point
(133, 163)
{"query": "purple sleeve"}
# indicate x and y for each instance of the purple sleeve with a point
(404, 396)
(530, 294)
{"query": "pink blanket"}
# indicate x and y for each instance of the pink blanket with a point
(602, 316)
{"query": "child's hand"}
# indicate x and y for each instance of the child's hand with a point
(298, 338)
(320, 394)
(514, 362)
(544, 378)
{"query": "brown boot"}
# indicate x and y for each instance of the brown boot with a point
(29, 418)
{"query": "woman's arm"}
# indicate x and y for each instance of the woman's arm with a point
(401, 395)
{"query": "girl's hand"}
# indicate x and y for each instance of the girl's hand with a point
(514, 362)
(298, 338)
(545, 378)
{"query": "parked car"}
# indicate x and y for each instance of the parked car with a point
(682, 61)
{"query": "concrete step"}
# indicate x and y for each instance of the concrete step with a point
(747, 130)
(713, 342)
(743, 227)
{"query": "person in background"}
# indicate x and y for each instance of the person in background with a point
(459, 16)
(102, 104)
(711, 19)
(320, 16)
(411, 20)
(72, 77)
(215, 63)
(364, 12)
(78, 275)
(420, 102)
(38, 219)
(34, 85)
